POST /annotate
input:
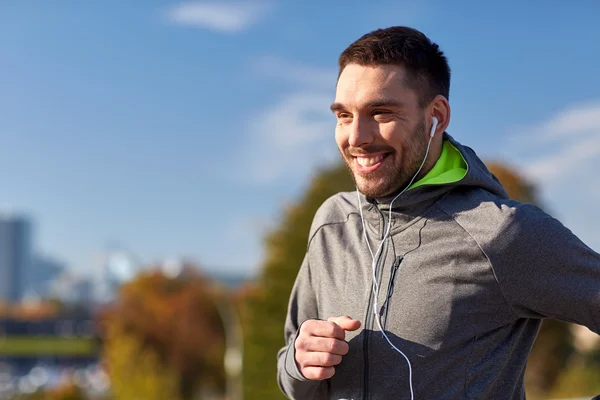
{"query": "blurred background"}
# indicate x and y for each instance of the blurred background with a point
(161, 161)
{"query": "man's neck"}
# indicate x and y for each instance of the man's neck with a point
(435, 151)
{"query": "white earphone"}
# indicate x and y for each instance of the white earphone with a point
(375, 255)
(433, 127)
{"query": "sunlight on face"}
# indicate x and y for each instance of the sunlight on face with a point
(380, 129)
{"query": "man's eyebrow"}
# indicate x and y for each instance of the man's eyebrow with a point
(336, 107)
(372, 104)
(384, 103)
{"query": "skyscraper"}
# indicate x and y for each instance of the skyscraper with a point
(15, 256)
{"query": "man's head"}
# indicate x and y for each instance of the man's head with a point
(391, 83)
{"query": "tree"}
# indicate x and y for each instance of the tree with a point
(553, 346)
(266, 308)
(136, 371)
(581, 378)
(515, 184)
(67, 391)
(176, 318)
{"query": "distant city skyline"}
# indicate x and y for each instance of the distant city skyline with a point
(180, 130)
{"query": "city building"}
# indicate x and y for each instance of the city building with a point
(15, 256)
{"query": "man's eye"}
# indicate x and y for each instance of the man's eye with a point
(380, 112)
(344, 116)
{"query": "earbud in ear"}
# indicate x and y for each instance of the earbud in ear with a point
(433, 127)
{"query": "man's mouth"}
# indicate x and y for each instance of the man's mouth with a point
(369, 163)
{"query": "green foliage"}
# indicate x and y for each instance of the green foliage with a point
(135, 370)
(266, 309)
(549, 356)
(581, 379)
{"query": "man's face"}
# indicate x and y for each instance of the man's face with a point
(380, 129)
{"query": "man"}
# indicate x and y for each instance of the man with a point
(428, 282)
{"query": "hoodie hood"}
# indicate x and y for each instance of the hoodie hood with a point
(425, 192)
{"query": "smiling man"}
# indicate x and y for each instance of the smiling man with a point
(445, 278)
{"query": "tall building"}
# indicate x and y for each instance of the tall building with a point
(15, 256)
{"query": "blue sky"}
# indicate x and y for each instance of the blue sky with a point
(182, 129)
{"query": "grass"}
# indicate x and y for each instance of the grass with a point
(47, 346)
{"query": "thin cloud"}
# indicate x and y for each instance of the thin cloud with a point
(291, 137)
(564, 144)
(231, 17)
(294, 72)
(561, 156)
(566, 160)
(574, 120)
(578, 119)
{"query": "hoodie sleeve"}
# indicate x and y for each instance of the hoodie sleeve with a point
(302, 306)
(544, 270)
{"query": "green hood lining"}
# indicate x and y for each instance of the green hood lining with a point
(451, 167)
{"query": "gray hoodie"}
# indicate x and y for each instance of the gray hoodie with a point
(465, 279)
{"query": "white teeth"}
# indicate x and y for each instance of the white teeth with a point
(367, 162)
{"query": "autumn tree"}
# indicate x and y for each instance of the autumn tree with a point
(581, 378)
(266, 310)
(65, 391)
(135, 370)
(176, 318)
(516, 185)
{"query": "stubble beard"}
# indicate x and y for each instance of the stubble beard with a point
(391, 179)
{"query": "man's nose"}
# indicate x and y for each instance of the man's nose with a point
(361, 133)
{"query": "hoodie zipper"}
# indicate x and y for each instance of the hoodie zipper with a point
(390, 291)
(369, 316)
(366, 347)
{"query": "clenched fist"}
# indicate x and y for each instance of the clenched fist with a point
(320, 346)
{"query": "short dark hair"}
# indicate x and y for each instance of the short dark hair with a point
(426, 66)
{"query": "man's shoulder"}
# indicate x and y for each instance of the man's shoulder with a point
(491, 218)
(335, 210)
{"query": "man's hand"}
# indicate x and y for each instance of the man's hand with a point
(320, 346)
